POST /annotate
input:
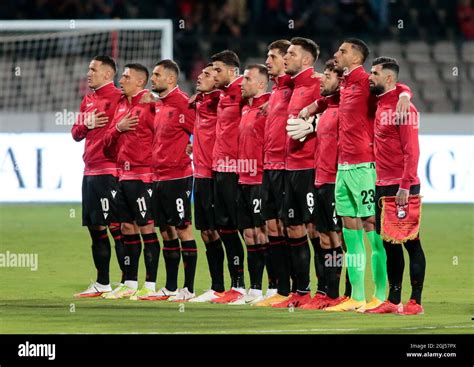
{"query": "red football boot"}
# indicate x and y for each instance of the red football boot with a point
(412, 308)
(296, 300)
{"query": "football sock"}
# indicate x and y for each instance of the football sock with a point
(189, 253)
(233, 247)
(151, 255)
(119, 250)
(356, 259)
(101, 254)
(332, 270)
(133, 248)
(280, 261)
(319, 265)
(256, 264)
(215, 261)
(300, 258)
(417, 268)
(379, 265)
(347, 285)
(291, 268)
(269, 266)
(229, 251)
(395, 268)
(171, 253)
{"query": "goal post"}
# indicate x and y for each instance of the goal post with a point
(43, 63)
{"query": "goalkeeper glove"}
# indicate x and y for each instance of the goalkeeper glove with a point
(298, 128)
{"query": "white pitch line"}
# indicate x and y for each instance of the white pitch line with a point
(281, 331)
(309, 330)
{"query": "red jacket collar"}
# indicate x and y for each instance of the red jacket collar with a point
(282, 81)
(304, 77)
(105, 89)
(260, 100)
(333, 99)
(356, 74)
(235, 84)
(136, 98)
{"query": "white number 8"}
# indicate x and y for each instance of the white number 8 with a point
(179, 205)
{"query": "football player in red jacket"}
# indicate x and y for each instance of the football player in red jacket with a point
(397, 153)
(100, 182)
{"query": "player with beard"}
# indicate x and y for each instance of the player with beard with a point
(355, 180)
(397, 153)
(277, 256)
(224, 166)
(173, 181)
(298, 201)
(328, 224)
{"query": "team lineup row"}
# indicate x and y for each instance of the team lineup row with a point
(307, 162)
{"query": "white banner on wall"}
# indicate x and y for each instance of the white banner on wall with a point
(48, 167)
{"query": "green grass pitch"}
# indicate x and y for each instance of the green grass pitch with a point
(41, 301)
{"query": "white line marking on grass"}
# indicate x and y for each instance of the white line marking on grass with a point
(313, 330)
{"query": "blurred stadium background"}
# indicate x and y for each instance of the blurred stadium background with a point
(45, 49)
(44, 60)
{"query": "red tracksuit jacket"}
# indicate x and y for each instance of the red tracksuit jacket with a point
(325, 157)
(251, 137)
(275, 126)
(104, 99)
(300, 155)
(132, 148)
(356, 114)
(174, 123)
(205, 132)
(396, 145)
(227, 128)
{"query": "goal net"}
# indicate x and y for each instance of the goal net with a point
(43, 64)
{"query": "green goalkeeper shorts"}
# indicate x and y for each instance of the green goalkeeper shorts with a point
(355, 190)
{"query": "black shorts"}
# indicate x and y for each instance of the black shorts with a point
(390, 190)
(172, 202)
(204, 204)
(101, 200)
(273, 189)
(327, 220)
(137, 196)
(298, 202)
(249, 202)
(225, 199)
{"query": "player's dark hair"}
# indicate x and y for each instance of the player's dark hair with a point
(139, 67)
(208, 64)
(389, 63)
(307, 45)
(360, 46)
(331, 66)
(106, 60)
(280, 45)
(228, 57)
(169, 65)
(262, 69)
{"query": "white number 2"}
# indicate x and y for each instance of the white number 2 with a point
(256, 205)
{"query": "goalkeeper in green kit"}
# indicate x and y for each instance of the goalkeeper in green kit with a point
(355, 181)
